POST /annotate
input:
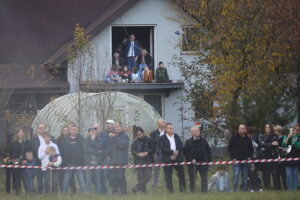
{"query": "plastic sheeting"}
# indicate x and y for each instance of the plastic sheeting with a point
(86, 109)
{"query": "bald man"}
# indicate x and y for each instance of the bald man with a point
(155, 135)
(196, 149)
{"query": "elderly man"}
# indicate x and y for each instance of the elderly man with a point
(171, 149)
(98, 128)
(155, 135)
(196, 149)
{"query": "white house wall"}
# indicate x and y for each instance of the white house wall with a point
(152, 13)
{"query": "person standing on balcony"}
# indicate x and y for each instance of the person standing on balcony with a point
(133, 50)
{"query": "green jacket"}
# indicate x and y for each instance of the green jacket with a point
(161, 75)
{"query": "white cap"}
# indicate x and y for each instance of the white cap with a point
(110, 121)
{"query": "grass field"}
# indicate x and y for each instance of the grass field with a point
(159, 194)
(165, 196)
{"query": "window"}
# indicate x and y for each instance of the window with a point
(189, 42)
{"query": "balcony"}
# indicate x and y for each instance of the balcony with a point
(99, 86)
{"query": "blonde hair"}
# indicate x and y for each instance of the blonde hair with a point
(144, 50)
(15, 137)
(278, 128)
(52, 149)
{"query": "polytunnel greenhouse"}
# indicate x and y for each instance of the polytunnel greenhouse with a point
(86, 109)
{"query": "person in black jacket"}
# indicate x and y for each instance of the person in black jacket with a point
(268, 148)
(171, 149)
(142, 149)
(155, 135)
(18, 146)
(92, 150)
(240, 148)
(36, 141)
(118, 155)
(72, 156)
(196, 149)
(7, 160)
(103, 138)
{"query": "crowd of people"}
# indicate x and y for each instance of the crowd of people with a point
(110, 146)
(131, 63)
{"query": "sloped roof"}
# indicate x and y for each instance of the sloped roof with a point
(35, 32)
(32, 31)
(31, 77)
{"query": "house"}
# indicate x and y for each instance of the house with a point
(38, 33)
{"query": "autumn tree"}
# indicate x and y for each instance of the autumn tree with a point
(87, 66)
(246, 59)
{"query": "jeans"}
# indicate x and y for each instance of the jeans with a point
(103, 173)
(203, 173)
(237, 168)
(118, 181)
(292, 177)
(29, 183)
(141, 68)
(39, 179)
(131, 63)
(45, 180)
(68, 177)
(55, 180)
(156, 171)
(61, 182)
(93, 179)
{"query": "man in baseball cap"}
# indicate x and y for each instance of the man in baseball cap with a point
(109, 121)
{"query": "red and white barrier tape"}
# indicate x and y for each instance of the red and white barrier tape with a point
(160, 164)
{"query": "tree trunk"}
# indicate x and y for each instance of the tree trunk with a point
(298, 93)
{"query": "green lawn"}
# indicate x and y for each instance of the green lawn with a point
(158, 194)
(165, 196)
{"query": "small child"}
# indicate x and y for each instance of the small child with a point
(254, 181)
(54, 162)
(135, 75)
(126, 75)
(114, 76)
(29, 174)
(219, 181)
